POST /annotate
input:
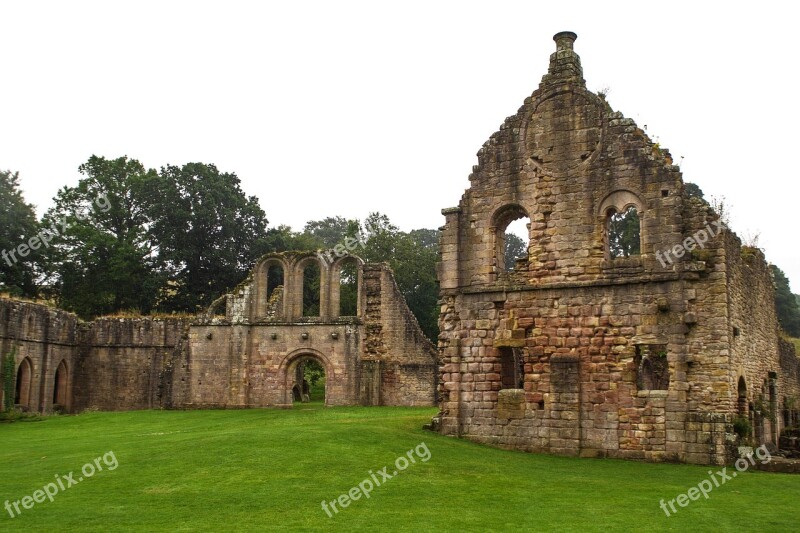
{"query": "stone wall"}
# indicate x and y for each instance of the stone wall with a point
(121, 362)
(248, 354)
(42, 338)
(576, 350)
(243, 352)
(408, 359)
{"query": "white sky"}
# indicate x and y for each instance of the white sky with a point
(342, 108)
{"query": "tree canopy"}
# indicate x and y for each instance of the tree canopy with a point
(18, 225)
(515, 248)
(101, 257)
(411, 255)
(207, 232)
(129, 238)
(786, 303)
(624, 233)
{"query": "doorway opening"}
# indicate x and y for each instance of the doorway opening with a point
(309, 381)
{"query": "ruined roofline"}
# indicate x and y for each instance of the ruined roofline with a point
(565, 73)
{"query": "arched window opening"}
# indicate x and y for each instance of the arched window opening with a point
(742, 397)
(309, 381)
(348, 288)
(311, 289)
(624, 238)
(275, 284)
(60, 386)
(513, 238)
(274, 279)
(23, 387)
(516, 242)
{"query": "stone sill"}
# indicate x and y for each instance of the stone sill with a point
(649, 278)
(341, 321)
(652, 393)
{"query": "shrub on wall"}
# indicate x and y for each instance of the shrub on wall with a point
(742, 427)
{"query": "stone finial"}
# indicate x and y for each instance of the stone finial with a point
(565, 40)
(565, 65)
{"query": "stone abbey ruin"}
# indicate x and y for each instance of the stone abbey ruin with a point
(640, 343)
(636, 326)
(246, 351)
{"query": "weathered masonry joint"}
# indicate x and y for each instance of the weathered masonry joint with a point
(633, 326)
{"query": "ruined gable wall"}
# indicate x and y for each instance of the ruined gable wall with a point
(603, 153)
(581, 321)
(395, 342)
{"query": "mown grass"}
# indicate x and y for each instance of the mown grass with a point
(796, 343)
(256, 469)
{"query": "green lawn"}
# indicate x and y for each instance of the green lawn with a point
(265, 469)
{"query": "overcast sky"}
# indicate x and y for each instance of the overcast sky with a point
(343, 108)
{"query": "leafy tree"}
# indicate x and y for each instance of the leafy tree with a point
(282, 239)
(17, 226)
(314, 374)
(101, 259)
(693, 190)
(348, 289)
(420, 285)
(313, 371)
(331, 231)
(786, 303)
(207, 231)
(514, 248)
(623, 233)
(311, 290)
(413, 258)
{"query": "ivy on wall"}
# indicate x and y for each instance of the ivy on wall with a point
(8, 379)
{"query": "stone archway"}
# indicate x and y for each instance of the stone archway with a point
(300, 385)
(60, 387)
(741, 390)
(22, 394)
